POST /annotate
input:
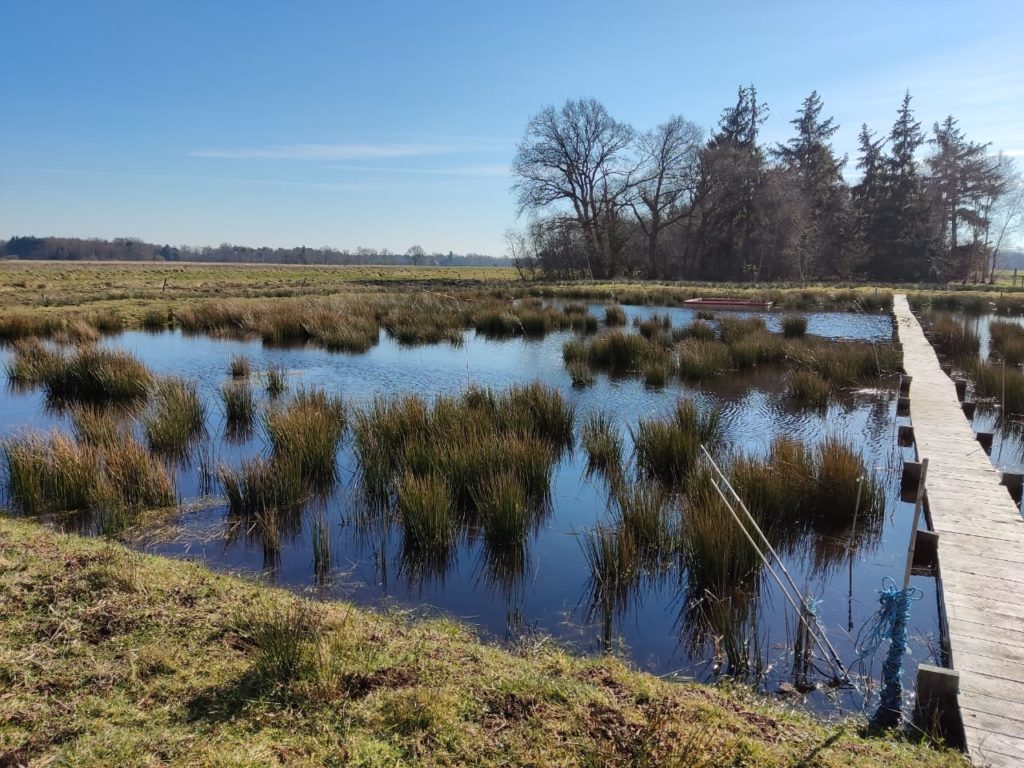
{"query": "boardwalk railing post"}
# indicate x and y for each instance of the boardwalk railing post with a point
(918, 504)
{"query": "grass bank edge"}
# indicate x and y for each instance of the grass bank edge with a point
(110, 656)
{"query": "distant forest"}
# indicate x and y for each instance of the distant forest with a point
(605, 200)
(131, 249)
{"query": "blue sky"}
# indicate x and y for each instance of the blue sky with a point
(391, 124)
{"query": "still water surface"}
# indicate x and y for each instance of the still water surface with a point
(550, 596)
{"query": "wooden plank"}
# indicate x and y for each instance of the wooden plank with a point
(994, 749)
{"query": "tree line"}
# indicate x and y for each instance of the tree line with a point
(132, 249)
(604, 200)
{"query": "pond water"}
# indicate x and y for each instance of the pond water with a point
(335, 555)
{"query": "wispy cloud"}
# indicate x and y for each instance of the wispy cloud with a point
(325, 151)
(482, 170)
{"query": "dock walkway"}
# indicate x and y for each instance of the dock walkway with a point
(980, 556)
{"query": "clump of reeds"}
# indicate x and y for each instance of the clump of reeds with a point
(654, 326)
(704, 314)
(176, 417)
(952, 337)
(580, 373)
(31, 363)
(614, 315)
(838, 471)
(239, 407)
(585, 323)
(698, 329)
(427, 513)
(20, 325)
(602, 441)
(240, 366)
(277, 380)
(703, 359)
(794, 326)
(106, 321)
(283, 639)
(93, 374)
(260, 490)
(999, 383)
(97, 425)
(506, 514)
(667, 450)
(155, 319)
(613, 563)
(619, 351)
(113, 481)
(732, 329)
(656, 373)
(809, 388)
(425, 320)
(643, 515)
(308, 431)
(1007, 341)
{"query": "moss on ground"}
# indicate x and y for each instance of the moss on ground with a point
(111, 657)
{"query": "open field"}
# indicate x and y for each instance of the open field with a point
(109, 657)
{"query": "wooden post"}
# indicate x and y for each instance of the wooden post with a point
(917, 521)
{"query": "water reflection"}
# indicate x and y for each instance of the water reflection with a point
(705, 613)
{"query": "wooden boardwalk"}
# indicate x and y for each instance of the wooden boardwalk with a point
(981, 556)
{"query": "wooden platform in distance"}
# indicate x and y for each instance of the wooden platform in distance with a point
(981, 556)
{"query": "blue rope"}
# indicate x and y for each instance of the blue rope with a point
(889, 622)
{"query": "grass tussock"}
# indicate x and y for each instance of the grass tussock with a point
(111, 484)
(1007, 341)
(614, 315)
(240, 367)
(31, 363)
(337, 684)
(602, 441)
(239, 406)
(98, 425)
(97, 375)
(666, 450)
(794, 326)
(581, 373)
(276, 380)
(808, 388)
(998, 383)
(951, 336)
(176, 417)
(307, 432)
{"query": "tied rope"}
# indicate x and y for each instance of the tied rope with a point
(889, 622)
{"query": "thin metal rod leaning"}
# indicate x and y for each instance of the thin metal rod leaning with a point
(801, 609)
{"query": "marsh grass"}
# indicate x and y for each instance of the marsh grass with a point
(618, 351)
(506, 514)
(952, 337)
(667, 450)
(1007, 340)
(656, 373)
(114, 482)
(700, 359)
(612, 560)
(281, 637)
(261, 490)
(175, 419)
(731, 329)
(240, 367)
(602, 442)
(699, 330)
(808, 388)
(580, 373)
(276, 380)
(31, 363)
(307, 432)
(998, 383)
(644, 517)
(93, 374)
(614, 315)
(794, 326)
(427, 515)
(239, 406)
(98, 425)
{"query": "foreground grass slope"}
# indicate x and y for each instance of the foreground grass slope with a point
(109, 657)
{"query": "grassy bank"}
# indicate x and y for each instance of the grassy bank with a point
(109, 657)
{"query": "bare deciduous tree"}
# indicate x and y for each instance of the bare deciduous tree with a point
(578, 155)
(669, 159)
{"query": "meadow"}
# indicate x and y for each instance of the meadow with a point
(526, 457)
